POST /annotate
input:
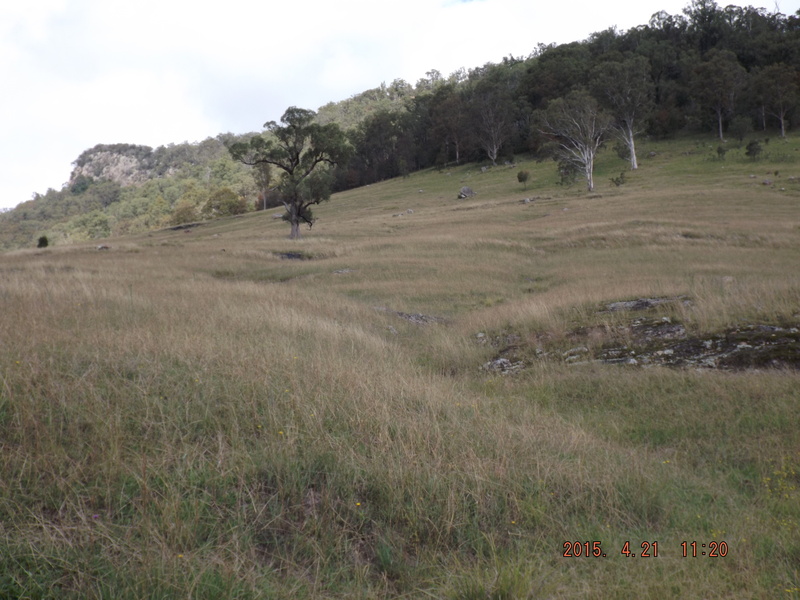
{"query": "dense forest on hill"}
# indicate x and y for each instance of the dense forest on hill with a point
(730, 71)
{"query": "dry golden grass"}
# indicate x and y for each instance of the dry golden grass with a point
(189, 415)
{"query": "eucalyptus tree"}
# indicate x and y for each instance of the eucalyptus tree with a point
(717, 81)
(304, 151)
(450, 123)
(627, 89)
(492, 94)
(777, 90)
(492, 123)
(577, 127)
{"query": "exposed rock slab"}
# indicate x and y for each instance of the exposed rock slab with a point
(647, 342)
(415, 318)
(643, 303)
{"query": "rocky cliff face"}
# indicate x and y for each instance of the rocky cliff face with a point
(121, 168)
(125, 164)
(129, 164)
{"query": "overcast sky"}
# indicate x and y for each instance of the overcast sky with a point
(76, 73)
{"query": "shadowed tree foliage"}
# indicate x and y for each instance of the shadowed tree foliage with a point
(716, 83)
(450, 118)
(705, 24)
(556, 71)
(303, 150)
(382, 146)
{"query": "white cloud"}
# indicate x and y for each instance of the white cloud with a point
(81, 72)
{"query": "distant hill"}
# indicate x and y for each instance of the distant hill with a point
(730, 73)
(125, 188)
(353, 111)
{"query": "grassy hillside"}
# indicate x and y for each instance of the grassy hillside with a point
(189, 414)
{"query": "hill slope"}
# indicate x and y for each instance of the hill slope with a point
(219, 412)
(731, 70)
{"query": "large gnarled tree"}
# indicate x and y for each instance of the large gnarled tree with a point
(304, 151)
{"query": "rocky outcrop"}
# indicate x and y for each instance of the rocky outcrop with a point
(465, 192)
(747, 346)
(645, 341)
(131, 164)
(503, 366)
(120, 168)
(643, 303)
(415, 318)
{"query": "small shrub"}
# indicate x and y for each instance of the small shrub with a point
(223, 203)
(753, 149)
(721, 151)
(622, 150)
(185, 212)
(522, 177)
(43, 242)
(567, 172)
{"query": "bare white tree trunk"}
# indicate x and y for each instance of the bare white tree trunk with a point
(589, 169)
(493, 131)
(631, 143)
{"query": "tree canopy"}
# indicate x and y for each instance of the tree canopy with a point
(301, 149)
